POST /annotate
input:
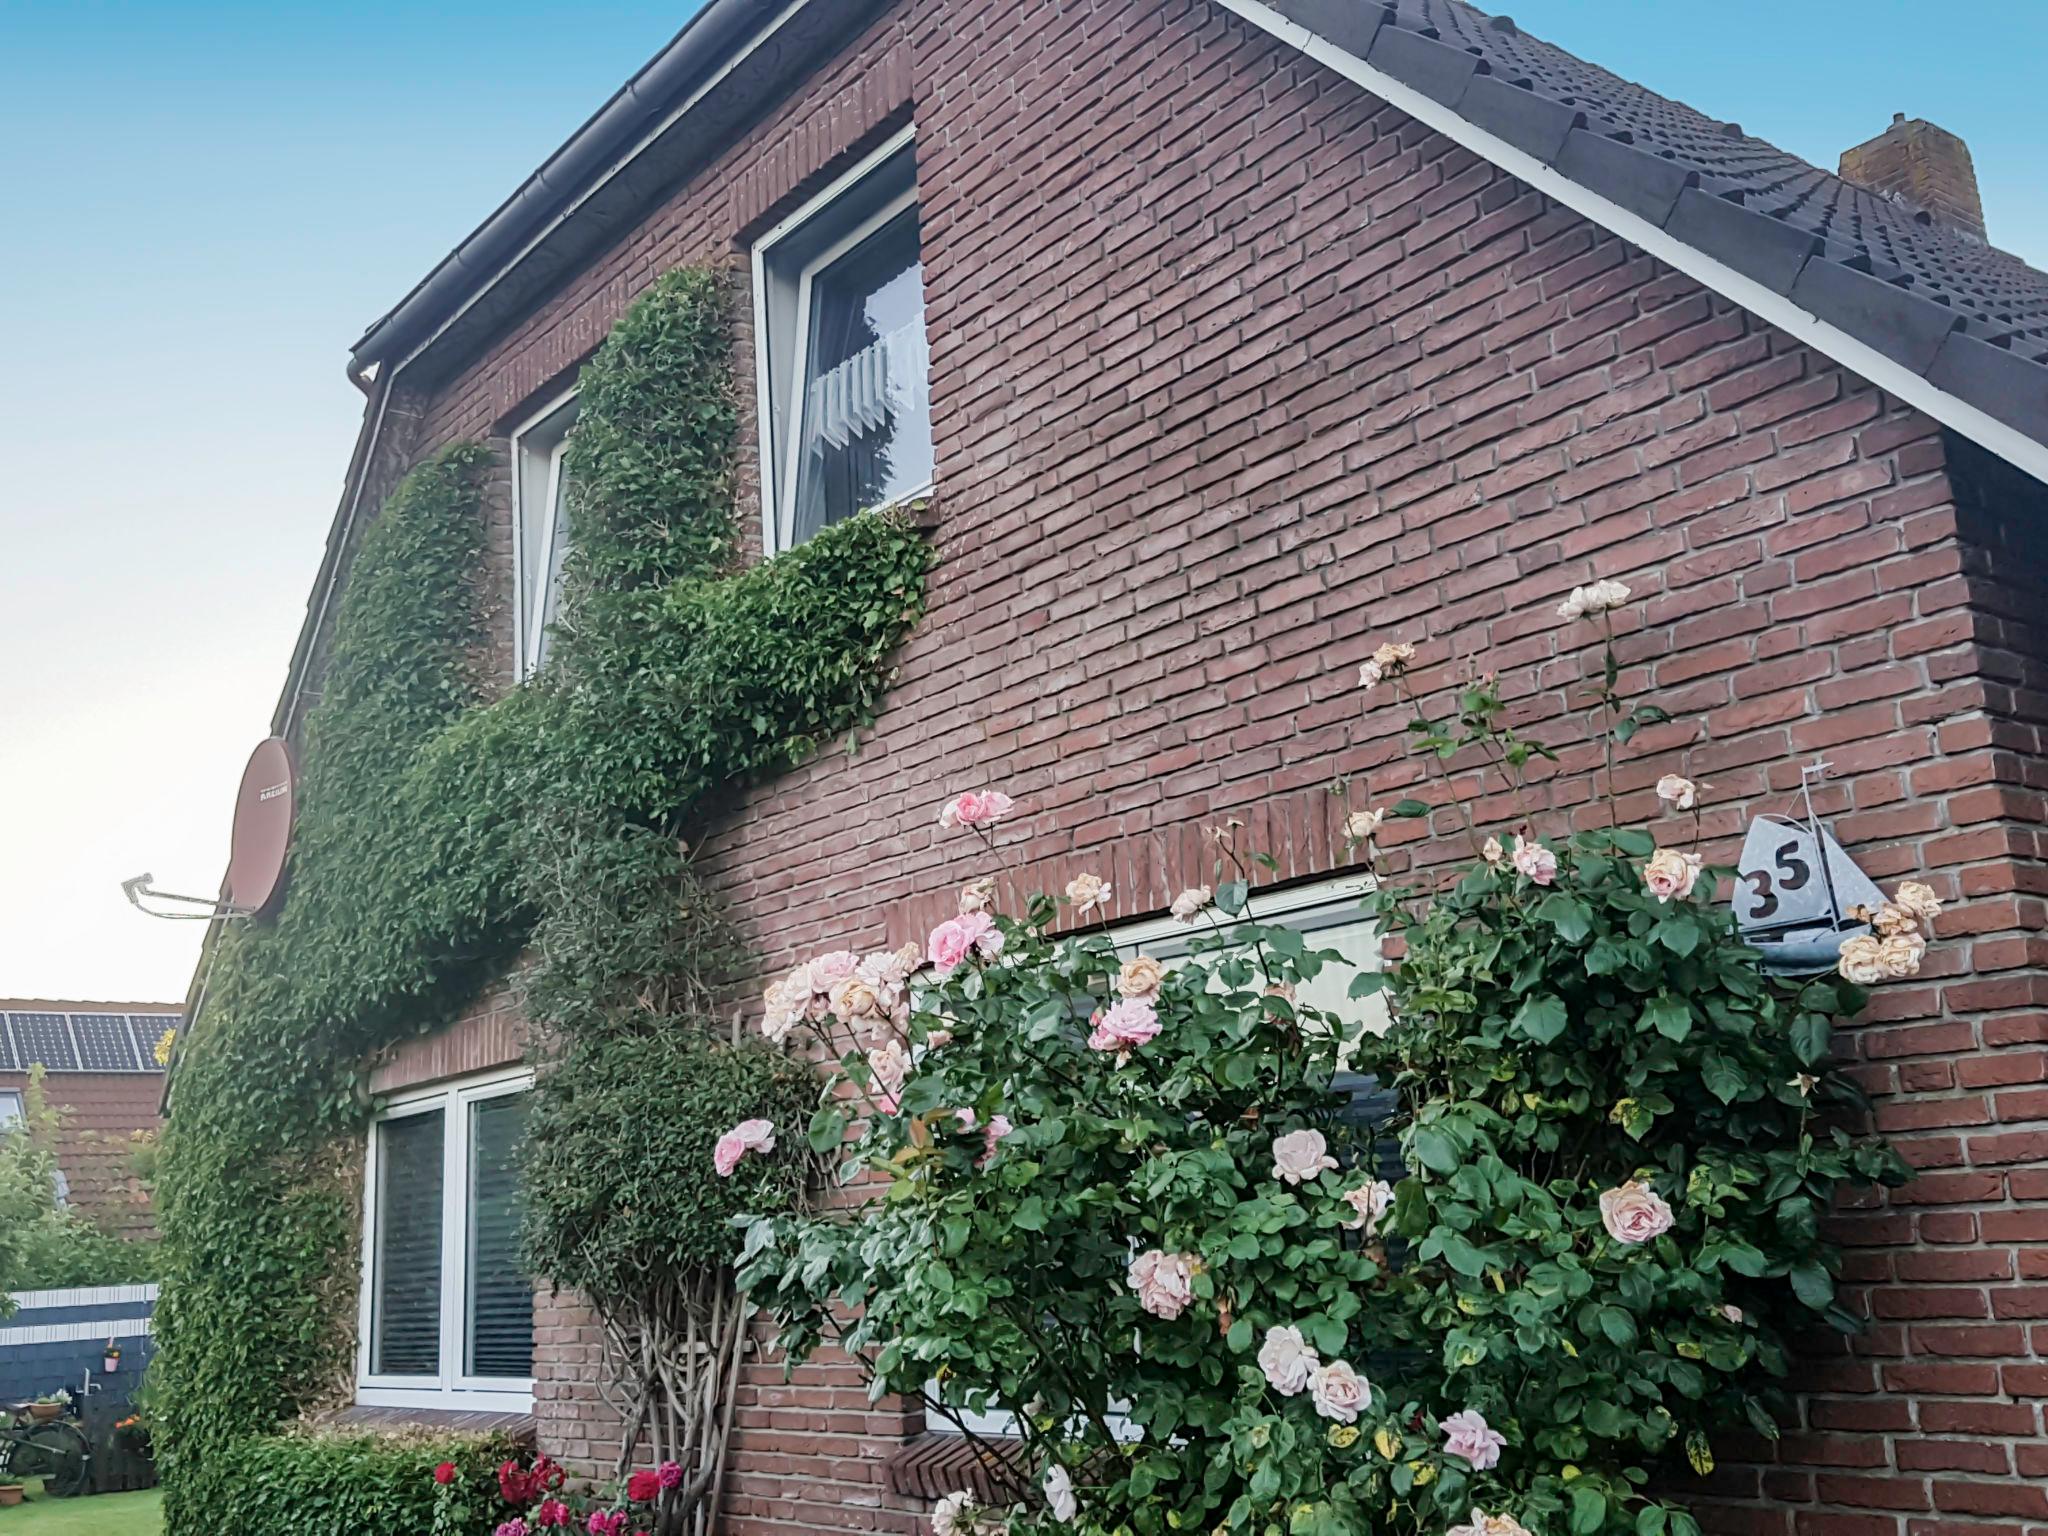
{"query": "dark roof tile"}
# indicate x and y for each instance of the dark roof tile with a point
(1903, 326)
(1641, 182)
(1518, 116)
(1762, 248)
(1436, 69)
(1996, 380)
(1347, 23)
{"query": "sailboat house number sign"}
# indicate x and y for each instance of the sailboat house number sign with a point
(1796, 889)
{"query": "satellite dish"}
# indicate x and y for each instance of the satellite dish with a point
(264, 808)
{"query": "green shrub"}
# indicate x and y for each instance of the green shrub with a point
(327, 1483)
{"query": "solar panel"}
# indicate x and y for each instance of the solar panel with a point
(149, 1028)
(43, 1039)
(9, 1062)
(105, 1043)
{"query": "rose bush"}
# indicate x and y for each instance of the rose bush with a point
(1177, 1266)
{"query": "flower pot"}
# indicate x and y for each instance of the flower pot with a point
(110, 1365)
(42, 1413)
(10, 1493)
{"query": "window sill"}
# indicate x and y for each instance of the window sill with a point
(931, 1465)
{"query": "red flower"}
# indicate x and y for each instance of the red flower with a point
(444, 1474)
(642, 1487)
(517, 1487)
(552, 1512)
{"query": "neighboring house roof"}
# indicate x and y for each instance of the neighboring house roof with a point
(104, 1081)
(62, 1037)
(1969, 320)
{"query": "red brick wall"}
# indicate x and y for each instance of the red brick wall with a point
(1237, 372)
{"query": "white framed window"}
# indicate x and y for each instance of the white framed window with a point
(11, 1109)
(540, 524)
(1327, 912)
(840, 352)
(446, 1316)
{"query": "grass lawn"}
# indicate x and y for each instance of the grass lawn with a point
(95, 1514)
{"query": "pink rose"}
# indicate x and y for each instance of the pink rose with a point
(747, 1136)
(1339, 1392)
(1371, 1201)
(888, 1065)
(827, 971)
(998, 1127)
(1164, 1282)
(602, 1524)
(1468, 1435)
(1536, 862)
(669, 1474)
(1126, 1025)
(1634, 1213)
(1671, 874)
(1300, 1156)
(976, 808)
(957, 937)
(1287, 1360)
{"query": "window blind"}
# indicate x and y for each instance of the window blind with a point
(498, 1325)
(406, 1331)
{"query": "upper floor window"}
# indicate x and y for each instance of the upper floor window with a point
(846, 418)
(540, 530)
(447, 1314)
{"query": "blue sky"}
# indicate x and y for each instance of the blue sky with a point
(207, 202)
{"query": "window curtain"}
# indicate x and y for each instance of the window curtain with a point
(499, 1321)
(406, 1327)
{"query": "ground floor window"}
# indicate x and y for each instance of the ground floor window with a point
(446, 1314)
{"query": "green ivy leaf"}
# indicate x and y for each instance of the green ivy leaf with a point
(1812, 1284)
(1541, 1018)
(1589, 1510)
(828, 1129)
(1670, 1016)
(1434, 1150)
(1571, 917)
(1724, 1080)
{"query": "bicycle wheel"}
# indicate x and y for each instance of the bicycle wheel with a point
(59, 1455)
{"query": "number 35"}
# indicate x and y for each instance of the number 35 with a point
(1793, 873)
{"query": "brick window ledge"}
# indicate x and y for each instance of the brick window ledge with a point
(931, 1465)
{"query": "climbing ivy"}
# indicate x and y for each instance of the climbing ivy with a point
(436, 825)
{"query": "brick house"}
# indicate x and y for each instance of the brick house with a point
(1229, 338)
(102, 1077)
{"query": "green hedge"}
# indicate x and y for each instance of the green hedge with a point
(327, 1484)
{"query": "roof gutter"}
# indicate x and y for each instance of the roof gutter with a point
(640, 108)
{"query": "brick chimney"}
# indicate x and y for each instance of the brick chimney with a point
(1922, 165)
